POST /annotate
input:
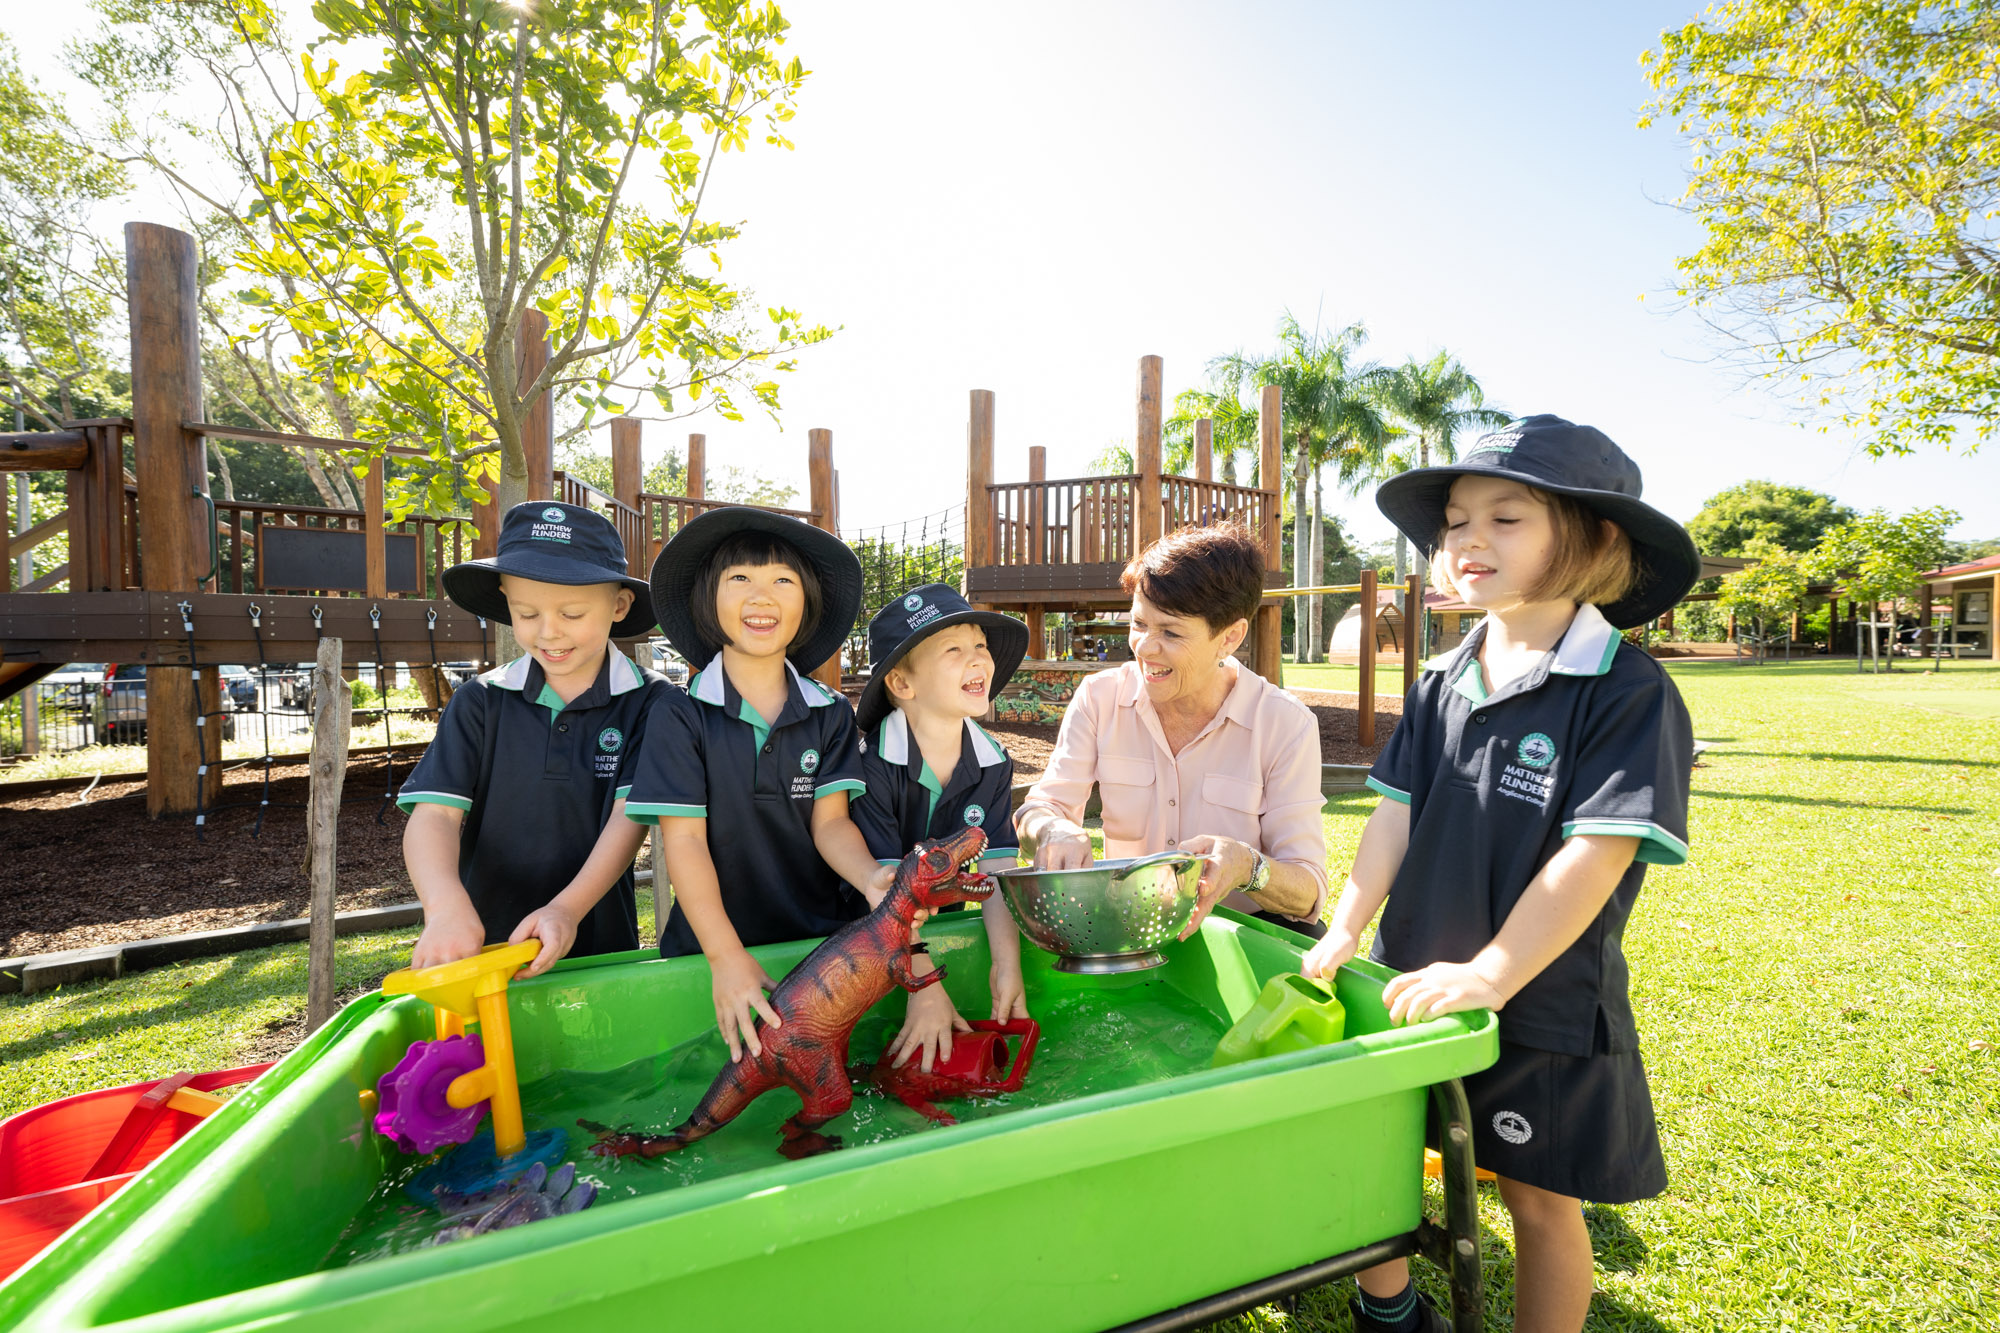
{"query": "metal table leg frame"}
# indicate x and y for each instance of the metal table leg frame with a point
(1454, 1246)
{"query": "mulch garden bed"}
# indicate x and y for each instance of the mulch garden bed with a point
(96, 873)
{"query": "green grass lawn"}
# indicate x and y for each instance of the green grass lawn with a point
(1335, 676)
(1815, 991)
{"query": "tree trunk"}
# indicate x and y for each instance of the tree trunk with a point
(1301, 549)
(222, 469)
(1228, 467)
(1318, 573)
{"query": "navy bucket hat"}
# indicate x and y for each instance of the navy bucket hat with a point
(680, 560)
(910, 619)
(550, 543)
(1581, 462)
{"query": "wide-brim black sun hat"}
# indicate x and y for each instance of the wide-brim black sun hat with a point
(906, 622)
(680, 560)
(1581, 462)
(550, 543)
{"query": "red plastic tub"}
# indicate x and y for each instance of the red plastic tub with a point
(60, 1160)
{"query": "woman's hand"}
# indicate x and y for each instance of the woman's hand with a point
(449, 934)
(739, 985)
(1437, 990)
(1226, 867)
(1325, 958)
(1062, 846)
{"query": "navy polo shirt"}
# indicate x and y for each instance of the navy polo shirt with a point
(907, 803)
(711, 756)
(537, 804)
(1594, 739)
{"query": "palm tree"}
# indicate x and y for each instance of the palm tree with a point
(1435, 401)
(1233, 428)
(1329, 405)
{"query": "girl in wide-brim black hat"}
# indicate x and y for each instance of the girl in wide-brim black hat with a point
(750, 773)
(1536, 772)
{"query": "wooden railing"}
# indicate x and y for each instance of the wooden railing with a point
(661, 516)
(1077, 521)
(421, 547)
(1090, 520)
(1189, 503)
(630, 522)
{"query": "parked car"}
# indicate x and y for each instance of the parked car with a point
(118, 712)
(668, 663)
(459, 673)
(239, 688)
(74, 685)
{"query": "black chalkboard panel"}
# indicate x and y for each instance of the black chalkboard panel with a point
(331, 560)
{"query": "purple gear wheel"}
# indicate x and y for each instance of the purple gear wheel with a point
(413, 1112)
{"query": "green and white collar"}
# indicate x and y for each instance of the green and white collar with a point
(625, 674)
(1587, 648)
(707, 686)
(892, 741)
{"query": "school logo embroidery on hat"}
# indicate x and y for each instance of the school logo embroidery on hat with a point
(975, 815)
(554, 515)
(913, 601)
(609, 739)
(1536, 750)
(1512, 1126)
(809, 761)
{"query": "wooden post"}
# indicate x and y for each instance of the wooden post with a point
(663, 884)
(333, 710)
(374, 521)
(1204, 449)
(160, 266)
(1667, 623)
(1038, 541)
(697, 467)
(1269, 653)
(531, 355)
(1149, 502)
(978, 476)
(1413, 632)
(486, 523)
(826, 516)
(628, 472)
(1365, 708)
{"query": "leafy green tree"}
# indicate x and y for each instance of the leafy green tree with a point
(1328, 397)
(1767, 591)
(1878, 556)
(1846, 173)
(1435, 401)
(1233, 426)
(1787, 518)
(56, 276)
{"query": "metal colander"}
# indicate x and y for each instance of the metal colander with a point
(1110, 917)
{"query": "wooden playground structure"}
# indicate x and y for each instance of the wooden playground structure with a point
(162, 574)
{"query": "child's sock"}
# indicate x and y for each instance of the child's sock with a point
(1401, 1313)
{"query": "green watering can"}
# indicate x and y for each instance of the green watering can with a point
(1294, 1013)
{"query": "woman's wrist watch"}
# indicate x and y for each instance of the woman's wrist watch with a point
(1260, 873)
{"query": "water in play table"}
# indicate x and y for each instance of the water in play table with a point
(1093, 1040)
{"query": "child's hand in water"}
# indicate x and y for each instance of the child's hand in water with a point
(928, 1026)
(448, 936)
(1009, 993)
(739, 986)
(555, 927)
(1437, 990)
(1325, 958)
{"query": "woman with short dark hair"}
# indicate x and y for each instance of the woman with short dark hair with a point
(1191, 750)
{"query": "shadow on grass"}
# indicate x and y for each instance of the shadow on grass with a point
(1779, 799)
(1618, 1248)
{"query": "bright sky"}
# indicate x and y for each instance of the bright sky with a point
(1028, 198)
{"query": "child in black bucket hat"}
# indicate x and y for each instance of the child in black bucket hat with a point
(1536, 772)
(935, 665)
(514, 829)
(749, 774)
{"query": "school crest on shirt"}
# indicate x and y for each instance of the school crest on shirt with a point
(975, 815)
(611, 740)
(809, 762)
(1527, 777)
(1536, 750)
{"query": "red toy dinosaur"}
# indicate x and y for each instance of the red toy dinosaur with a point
(819, 1002)
(977, 1068)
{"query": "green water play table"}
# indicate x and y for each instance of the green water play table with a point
(1164, 1202)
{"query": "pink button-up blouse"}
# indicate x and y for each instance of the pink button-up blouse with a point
(1252, 774)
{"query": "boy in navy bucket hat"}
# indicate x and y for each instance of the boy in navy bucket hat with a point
(1536, 772)
(515, 827)
(936, 665)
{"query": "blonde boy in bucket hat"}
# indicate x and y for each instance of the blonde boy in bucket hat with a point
(1535, 773)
